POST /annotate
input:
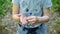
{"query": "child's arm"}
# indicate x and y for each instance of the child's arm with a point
(15, 11)
(46, 16)
(15, 14)
(46, 11)
(44, 19)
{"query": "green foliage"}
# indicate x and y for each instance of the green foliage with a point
(56, 5)
(4, 5)
(58, 21)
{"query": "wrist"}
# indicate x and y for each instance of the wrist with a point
(43, 19)
(38, 19)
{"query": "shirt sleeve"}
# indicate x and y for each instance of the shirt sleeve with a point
(47, 3)
(16, 2)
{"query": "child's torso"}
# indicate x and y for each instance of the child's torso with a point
(31, 8)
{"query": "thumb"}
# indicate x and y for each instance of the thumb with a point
(19, 15)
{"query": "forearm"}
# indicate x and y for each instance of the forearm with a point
(15, 9)
(43, 19)
(46, 16)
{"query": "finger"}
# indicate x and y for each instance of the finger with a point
(32, 20)
(32, 23)
(19, 15)
(29, 18)
(24, 22)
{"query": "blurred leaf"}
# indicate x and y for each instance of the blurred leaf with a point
(58, 21)
(56, 5)
(4, 5)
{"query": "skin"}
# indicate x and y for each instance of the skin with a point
(44, 19)
(32, 19)
(15, 14)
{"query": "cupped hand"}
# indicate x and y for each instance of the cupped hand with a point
(16, 17)
(23, 19)
(32, 19)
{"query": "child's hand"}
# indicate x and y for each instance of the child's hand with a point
(16, 17)
(23, 19)
(32, 19)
